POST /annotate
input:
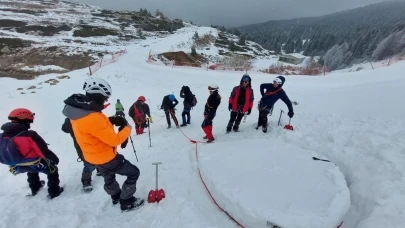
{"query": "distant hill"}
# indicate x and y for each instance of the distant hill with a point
(357, 32)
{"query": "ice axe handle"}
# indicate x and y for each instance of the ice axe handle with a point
(157, 172)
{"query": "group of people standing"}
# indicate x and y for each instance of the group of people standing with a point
(96, 141)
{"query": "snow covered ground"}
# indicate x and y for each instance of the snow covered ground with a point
(354, 119)
(279, 183)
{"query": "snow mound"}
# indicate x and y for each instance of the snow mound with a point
(280, 184)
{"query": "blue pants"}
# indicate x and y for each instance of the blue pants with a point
(87, 171)
(184, 114)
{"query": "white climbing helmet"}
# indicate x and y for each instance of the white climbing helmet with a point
(213, 87)
(96, 85)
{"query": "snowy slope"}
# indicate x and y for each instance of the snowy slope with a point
(336, 118)
(278, 183)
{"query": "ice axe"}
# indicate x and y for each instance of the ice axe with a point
(289, 126)
(156, 195)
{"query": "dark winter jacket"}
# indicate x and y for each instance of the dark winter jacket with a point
(168, 104)
(188, 97)
(242, 97)
(213, 101)
(139, 110)
(30, 144)
(67, 128)
(271, 96)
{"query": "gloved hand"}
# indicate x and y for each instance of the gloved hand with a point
(118, 121)
(150, 119)
(229, 107)
(124, 144)
(249, 111)
(290, 114)
(13, 170)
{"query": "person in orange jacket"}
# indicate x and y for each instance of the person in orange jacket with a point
(95, 135)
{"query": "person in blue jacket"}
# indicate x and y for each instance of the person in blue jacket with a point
(274, 91)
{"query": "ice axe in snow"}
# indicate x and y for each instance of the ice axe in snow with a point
(289, 126)
(157, 194)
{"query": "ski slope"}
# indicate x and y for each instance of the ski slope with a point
(356, 120)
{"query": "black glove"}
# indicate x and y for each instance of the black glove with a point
(50, 155)
(124, 144)
(229, 107)
(249, 111)
(118, 121)
(291, 114)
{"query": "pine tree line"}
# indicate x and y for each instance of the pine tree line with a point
(373, 32)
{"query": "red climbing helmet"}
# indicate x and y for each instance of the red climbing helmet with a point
(21, 114)
(141, 98)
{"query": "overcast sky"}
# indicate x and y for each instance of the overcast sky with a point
(233, 12)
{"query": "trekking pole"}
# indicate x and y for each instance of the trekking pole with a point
(244, 118)
(150, 141)
(132, 142)
(279, 119)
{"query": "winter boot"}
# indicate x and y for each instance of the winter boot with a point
(116, 198)
(236, 128)
(210, 140)
(205, 137)
(87, 187)
(131, 203)
(35, 190)
(228, 129)
(183, 125)
(169, 127)
(54, 194)
(264, 129)
(86, 181)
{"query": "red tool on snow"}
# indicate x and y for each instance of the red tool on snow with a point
(156, 195)
(289, 126)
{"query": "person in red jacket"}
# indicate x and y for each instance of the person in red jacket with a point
(139, 112)
(24, 151)
(210, 110)
(240, 102)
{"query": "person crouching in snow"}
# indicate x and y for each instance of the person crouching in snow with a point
(96, 136)
(168, 107)
(210, 110)
(138, 112)
(274, 91)
(240, 102)
(24, 151)
(119, 109)
(189, 102)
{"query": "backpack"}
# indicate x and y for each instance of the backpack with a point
(194, 102)
(9, 152)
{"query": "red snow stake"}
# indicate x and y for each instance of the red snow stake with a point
(289, 126)
(156, 195)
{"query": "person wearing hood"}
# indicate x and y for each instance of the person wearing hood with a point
(189, 102)
(95, 135)
(240, 103)
(271, 92)
(168, 106)
(119, 109)
(24, 151)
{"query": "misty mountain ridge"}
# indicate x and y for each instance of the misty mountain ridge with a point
(359, 34)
